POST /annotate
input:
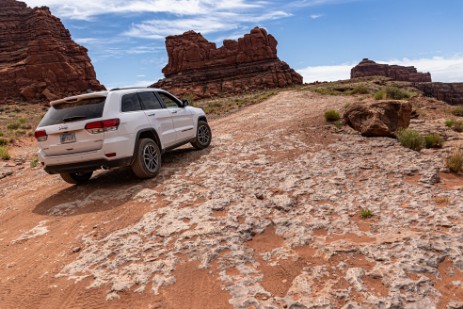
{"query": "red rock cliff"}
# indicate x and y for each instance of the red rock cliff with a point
(196, 66)
(400, 73)
(38, 59)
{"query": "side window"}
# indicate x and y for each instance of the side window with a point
(169, 101)
(130, 103)
(149, 100)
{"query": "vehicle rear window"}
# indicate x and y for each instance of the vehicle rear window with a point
(68, 112)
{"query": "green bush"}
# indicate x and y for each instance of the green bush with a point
(360, 90)
(366, 213)
(455, 161)
(449, 123)
(13, 126)
(411, 139)
(34, 162)
(379, 95)
(458, 111)
(332, 115)
(457, 126)
(3, 141)
(22, 120)
(4, 153)
(433, 140)
(395, 93)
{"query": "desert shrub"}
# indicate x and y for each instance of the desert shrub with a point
(360, 90)
(4, 154)
(411, 139)
(458, 111)
(22, 120)
(457, 126)
(20, 132)
(455, 161)
(332, 115)
(34, 162)
(338, 124)
(449, 123)
(366, 213)
(395, 93)
(379, 95)
(433, 140)
(13, 126)
(3, 141)
(1, 134)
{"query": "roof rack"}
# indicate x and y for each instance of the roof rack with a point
(128, 88)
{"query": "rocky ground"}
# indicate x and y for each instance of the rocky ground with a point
(268, 217)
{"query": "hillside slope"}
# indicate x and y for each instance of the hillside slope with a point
(269, 215)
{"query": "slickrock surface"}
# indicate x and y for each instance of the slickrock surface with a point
(368, 68)
(267, 217)
(38, 58)
(452, 93)
(197, 67)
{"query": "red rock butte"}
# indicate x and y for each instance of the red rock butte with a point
(368, 68)
(197, 67)
(38, 59)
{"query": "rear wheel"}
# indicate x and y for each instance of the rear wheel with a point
(76, 178)
(147, 161)
(203, 136)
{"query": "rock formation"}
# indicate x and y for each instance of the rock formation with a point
(451, 93)
(38, 59)
(368, 67)
(379, 118)
(196, 66)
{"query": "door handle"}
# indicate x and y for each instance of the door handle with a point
(153, 114)
(174, 112)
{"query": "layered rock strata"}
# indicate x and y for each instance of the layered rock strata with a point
(197, 67)
(368, 68)
(451, 93)
(38, 59)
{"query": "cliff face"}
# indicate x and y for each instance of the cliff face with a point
(451, 93)
(38, 59)
(400, 73)
(196, 66)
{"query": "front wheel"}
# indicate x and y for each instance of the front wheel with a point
(203, 135)
(147, 161)
(76, 178)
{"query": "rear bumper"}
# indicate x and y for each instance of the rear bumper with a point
(86, 166)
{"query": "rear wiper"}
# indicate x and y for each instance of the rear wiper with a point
(74, 118)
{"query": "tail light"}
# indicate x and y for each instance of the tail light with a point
(41, 135)
(102, 126)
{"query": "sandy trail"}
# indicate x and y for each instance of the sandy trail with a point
(268, 216)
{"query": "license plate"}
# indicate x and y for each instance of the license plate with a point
(68, 138)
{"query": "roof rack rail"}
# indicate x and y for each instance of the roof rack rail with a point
(128, 88)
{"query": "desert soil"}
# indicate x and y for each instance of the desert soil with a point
(267, 217)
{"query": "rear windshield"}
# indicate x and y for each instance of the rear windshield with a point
(68, 112)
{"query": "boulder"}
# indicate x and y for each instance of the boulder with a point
(367, 68)
(197, 67)
(38, 59)
(379, 118)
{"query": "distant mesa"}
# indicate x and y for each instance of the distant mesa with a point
(367, 68)
(38, 59)
(197, 67)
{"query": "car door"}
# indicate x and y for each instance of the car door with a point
(159, 117)
(182, 118)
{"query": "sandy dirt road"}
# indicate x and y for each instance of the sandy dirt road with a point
(267, 217)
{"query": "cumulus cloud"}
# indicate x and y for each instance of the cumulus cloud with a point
(442, 69)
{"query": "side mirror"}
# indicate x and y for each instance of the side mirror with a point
(185, 102)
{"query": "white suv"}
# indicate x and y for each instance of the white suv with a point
(121, 127)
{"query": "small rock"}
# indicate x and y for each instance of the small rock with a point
(259, 196)
(4, 172)
(76, 249)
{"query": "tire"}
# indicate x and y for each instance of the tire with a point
(77, 178)
(203, 135)
(147, 159)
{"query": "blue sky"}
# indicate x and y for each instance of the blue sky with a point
(321, 39)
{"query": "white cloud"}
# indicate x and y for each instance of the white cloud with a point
(316, 16)
(442, 69)
(86, 9)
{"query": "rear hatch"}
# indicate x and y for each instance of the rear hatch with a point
(65, 122)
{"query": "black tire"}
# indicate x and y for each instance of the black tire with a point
(76, 178)
(203, 136)
(147, 159)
